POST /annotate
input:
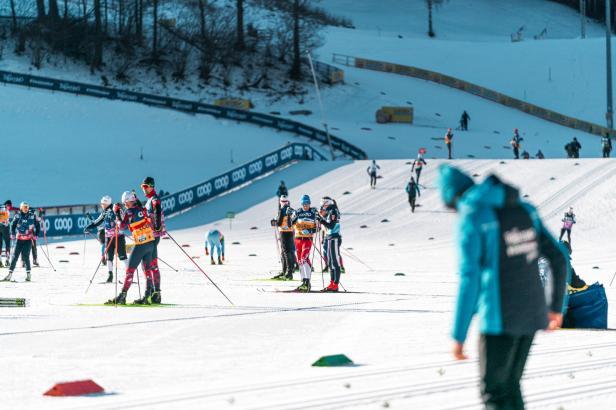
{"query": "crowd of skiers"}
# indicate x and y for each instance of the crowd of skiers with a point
(145, 224)
(296, 233)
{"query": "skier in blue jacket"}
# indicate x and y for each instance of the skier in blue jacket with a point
(500, 241)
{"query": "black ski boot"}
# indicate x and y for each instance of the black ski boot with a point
(288, 276)
(212, 261)
(1, 265)
(280, 276)
(35, 263)
(145, 300)
(219, 261)
(119, 300)
(156, 297)
(110, 277)
(28, 277)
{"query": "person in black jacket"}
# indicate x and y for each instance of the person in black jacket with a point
(412, 189)
(575, 148)
(606, 145)
(282, 190)
(287, 247)
(464, 121)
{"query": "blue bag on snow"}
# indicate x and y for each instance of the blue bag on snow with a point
(587, 309)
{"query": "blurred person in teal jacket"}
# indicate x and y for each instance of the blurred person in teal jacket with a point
(500, 241)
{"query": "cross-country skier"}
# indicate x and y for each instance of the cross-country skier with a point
(606, 145)
(516, 143)
(5, 231)
(304, 221)
(418, 165)
(156, 216)
(372, 170)
(464, 119)
(107, 219)
(135, 219)
(216, 240)
(449, 141)
(283, 222)
(329, 217)
(22, 228)
(568, 221)
(412, 189)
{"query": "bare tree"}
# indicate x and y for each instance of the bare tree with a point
(431, 5)
(40, 10)
(296, 66)
(154, 30)
(240, 25)
(97, 60)
(54, 14)
(13, 17)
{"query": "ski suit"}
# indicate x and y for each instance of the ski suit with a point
(154, 212)
(464, 121)
(215, 240)
(136, 221)
(286, 240)
(372, 169)
(515, 143)
(330, 219)
(23, 227)
(412, 189)
(568, 221)
(107, 219)
(448, 142)
(5, 232)
(606, 143)
(418, 166)
(305, 224)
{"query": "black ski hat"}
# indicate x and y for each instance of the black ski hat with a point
(148, 181)
(8, 202)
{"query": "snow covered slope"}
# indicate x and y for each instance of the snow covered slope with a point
(63, 149)
(199, 352)
(562, 72)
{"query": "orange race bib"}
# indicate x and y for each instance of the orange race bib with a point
(142, 232)
(4, 217)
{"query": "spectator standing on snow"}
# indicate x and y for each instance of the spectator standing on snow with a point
(606, 145)
(575, 148)
(501, 239)
(515, 143)
(539, 155)
(371, 170)
(525, 155)
(448, 141)
(464, 119)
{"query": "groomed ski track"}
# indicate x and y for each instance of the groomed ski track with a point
(204, 353)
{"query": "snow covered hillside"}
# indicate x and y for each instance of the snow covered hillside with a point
(67, 149)
(561, 72)
(199, 352)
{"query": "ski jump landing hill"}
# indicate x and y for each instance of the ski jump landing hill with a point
(258, 354)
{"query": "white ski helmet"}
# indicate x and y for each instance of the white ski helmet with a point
(106, 200)
(326, 201)
(284, 199)
(129, 196)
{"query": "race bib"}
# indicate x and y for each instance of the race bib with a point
(4, 217)
(142, 232)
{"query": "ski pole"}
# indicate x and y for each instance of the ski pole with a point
(45, 236)
(199, 267)
(171, 267)
(100, 262)
(46, 256)
(612, 281)
(84, 250)
(115, 300)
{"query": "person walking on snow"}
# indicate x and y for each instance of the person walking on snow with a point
(216, 240)
(606, 145)
(304, 221)
(156, 217)
(329, 217)
(134, 217)
(285, 229)
(568, 221)
(412, 189)
(448, 142)
(418, 165)
(516, 143)
(22, 228)
(372, 170)
(501, 239)
(107, 219)
(464, 119)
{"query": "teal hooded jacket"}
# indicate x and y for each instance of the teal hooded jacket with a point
(500, 239)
